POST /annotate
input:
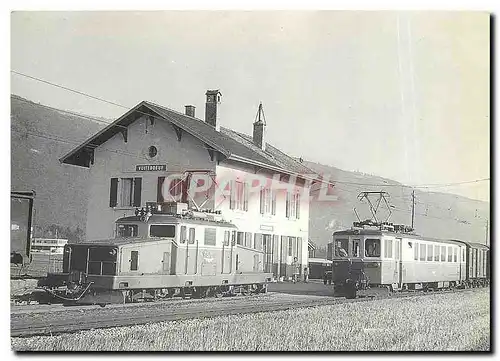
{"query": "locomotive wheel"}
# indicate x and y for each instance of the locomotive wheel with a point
(218, 292)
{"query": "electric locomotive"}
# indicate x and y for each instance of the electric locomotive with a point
(165, 250)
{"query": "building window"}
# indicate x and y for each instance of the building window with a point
(290, 246)
(257, 243)
(293, 205)
(239, 196)
(267, 201)
(248, 239)
(125, 192)
(210, 236)
(152, 151)
(240, 238)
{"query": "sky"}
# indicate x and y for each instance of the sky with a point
(403, 95)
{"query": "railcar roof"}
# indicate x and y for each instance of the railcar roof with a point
(115, 241)
(170, 219)
(474, 244)
(376, 232)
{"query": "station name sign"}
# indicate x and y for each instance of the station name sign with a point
(150, 167)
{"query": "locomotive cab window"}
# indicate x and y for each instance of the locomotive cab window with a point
(372, 247)
(162, 230)
(127, 230)
(340, 249)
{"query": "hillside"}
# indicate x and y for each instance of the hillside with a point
(40, 135)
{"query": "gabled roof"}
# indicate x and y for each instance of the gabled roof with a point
(230, 144)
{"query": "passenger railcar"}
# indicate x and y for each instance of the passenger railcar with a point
(160, 253)
(366, 259)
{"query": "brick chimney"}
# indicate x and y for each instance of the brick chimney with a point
(190, 110)
(259, 129)
(213, 98)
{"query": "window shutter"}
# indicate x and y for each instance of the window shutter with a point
(287, 204)
(232, 194)
(262, 201)
(159, 193)
(137, 192)
(113, 192)
(245, 196)
(297, 210)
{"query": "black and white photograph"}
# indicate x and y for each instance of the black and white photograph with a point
(250, 180)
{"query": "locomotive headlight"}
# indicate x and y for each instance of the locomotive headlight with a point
(112, 252)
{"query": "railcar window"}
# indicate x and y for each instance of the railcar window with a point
(340, 248)
(422, 252)
(443, 253)
(388, 248)
(463, 254)
(248, 239)
(227, 236)
(127, 230)
(450, 254)
(183, 234)
(372, 247)
(436, 253)
(290, 246)
(192, 235)
(455, 254)
(429, 252)
(162, 230)
(355, 248)
(415, 251)
(210, 235)
(397, 249)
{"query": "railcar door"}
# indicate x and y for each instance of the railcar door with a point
(398, 262)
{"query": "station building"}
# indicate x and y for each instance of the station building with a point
(156, 154)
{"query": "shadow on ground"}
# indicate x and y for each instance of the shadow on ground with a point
(313, 288)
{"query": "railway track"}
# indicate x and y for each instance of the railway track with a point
(44, 321)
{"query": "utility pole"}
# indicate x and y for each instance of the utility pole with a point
(412, 208)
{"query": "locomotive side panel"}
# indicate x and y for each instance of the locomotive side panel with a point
(146, 258)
